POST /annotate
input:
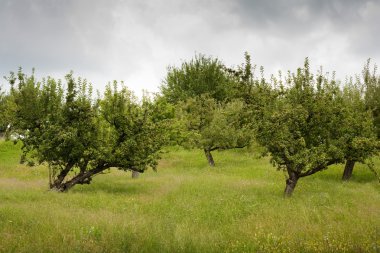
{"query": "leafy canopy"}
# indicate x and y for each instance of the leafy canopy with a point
(209, 114)
(314, 124)
(79, 137)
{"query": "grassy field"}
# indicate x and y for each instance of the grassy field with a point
(188, 207)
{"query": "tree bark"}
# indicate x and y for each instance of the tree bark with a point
(347, 173)
(291, 183)
(22, 159)
(209, 157)
(82, 178)
(135, 174)
(58, 181)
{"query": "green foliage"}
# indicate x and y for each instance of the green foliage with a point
(7, 111)
(68, 137)
(28, 111)
(79, 137)
(211, 112)
(246, 86)
(372, 93)
(257, 94)
(357, 130)
(298, 130)
(314, 124)
(201, 75)
(133, 132)
(306, 122)
(212, 126)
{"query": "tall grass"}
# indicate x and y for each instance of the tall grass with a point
(188, 207)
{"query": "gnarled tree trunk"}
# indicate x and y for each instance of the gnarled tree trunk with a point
(58, 181)
(81, 178)
(348, 169)
(291, 183)
(209, 157)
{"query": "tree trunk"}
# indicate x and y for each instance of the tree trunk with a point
(135, 174)
(209, 157)
(82, 178)
(58, 181)
(291, 183)
(22, 159)
(347, 173)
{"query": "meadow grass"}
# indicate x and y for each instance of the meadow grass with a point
(185, 206)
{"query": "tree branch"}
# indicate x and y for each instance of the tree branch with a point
(82, 178)
(62, 175)
(318, 168)
(224, 148)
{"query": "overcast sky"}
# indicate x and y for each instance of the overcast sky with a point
(135, 41)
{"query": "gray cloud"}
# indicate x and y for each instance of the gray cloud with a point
(136, 40)
(338, 34)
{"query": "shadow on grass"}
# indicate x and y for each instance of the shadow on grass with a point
(113, 187)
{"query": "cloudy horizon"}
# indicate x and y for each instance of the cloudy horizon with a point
(136, 41)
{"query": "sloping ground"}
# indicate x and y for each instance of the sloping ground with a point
(188, 207)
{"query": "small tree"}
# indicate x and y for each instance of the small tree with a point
(212, 118)
(23, 107)
(301, 130)
(357, 130)
(199, 76)
(372, 94)
(79, 138)
(211, 126)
